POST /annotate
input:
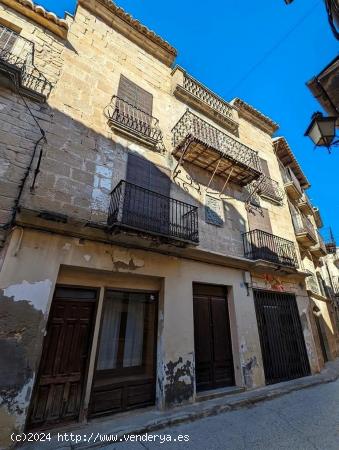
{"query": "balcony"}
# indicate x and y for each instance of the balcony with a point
(17, 68)
(305, 204)
(199, 97)
(317, 217)
(291, 183)
(261, 245)
(319, 249)
(304, 230)
(329, 239)
(270, 189)
(135, 208)
(133, 122)
(200, 143)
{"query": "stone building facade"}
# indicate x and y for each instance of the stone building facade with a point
(148, 248)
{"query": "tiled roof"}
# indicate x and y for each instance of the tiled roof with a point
(139, 26)
(260, 118)
(286, 156)
(39, 10)
(135, 31)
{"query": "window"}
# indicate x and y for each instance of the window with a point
(126, 340)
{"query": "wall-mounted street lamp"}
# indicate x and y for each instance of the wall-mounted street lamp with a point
(322, 131)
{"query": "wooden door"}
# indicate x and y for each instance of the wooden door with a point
(281, 337)
(61, 379)
(212, 338)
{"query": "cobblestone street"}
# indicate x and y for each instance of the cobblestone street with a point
(306, 419)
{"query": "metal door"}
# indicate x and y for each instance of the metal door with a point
(282, 341)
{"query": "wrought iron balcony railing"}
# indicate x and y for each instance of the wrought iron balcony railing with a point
(303, 226)
(320, 248)
(203, 93)
(199, 142)
(202, 99)
(270, 188)
(305, 204)
(291, 183)
(140, 209)
(259, 244)
(127, 118)
(17, 61)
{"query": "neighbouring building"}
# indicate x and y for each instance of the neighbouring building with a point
(157, 241)
(329, 277)
(325, 88)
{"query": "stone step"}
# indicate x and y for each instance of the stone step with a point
(216, 393)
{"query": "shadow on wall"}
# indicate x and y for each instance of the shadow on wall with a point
(326, 335)
(80, 167)
(73, 174)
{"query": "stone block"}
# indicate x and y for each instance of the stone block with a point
(82, 176)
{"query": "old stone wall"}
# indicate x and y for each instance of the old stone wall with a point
(83, 159)
(18, 130)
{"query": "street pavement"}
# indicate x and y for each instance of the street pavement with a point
(302, 420)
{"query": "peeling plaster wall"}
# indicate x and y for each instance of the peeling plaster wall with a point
(25, 294)
(71, 261)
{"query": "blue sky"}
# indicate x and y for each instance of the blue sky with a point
(263, 52)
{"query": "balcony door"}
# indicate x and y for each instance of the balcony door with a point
(262, 245)
(134, 106)
(147, 208)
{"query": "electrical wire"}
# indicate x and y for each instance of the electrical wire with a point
(11, 222)
(272, 49)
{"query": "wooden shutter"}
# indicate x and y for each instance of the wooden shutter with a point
(144, 173)
(7, 40)
(259, 219)
(135, 95)
(264, 167)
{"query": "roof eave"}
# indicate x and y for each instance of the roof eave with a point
(255, 116)
(125, 24)
(281, 146)
(40, 15)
